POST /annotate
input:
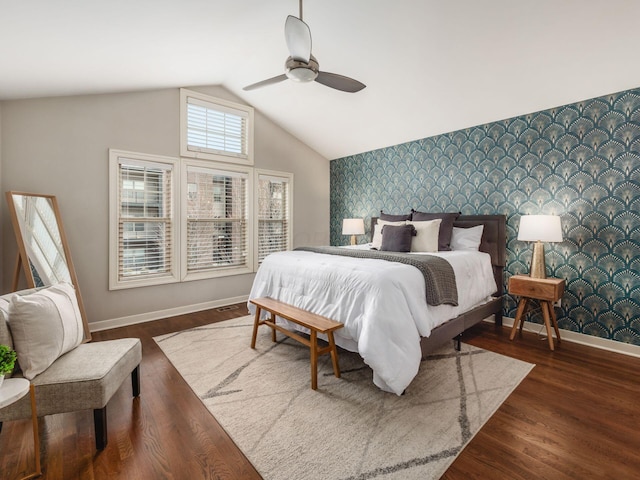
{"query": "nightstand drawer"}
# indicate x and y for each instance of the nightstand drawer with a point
(550, 289)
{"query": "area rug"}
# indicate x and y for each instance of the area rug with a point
(347, 428)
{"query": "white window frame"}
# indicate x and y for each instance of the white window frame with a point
(288, 178)
(143, 159)
(216, 272)
(220, 105)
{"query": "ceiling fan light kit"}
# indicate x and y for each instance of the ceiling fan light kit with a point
(302, 72)
(302, 66)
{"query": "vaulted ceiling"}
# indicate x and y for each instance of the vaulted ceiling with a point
(430, 66)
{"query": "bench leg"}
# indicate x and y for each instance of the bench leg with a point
(314, 360)
(334, 355)
(256, 322)
(100, 427)
(135, 381)
(273, 330)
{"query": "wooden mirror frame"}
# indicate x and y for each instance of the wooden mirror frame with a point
(22, 259)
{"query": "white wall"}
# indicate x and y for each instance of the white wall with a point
(60, 146)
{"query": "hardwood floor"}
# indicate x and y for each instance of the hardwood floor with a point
(576, 415)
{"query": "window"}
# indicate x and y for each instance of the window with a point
(217, 233)
(192, 218)
(215, 129)
(142, 241)
(273, 212)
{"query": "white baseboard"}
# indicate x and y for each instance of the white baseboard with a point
(160, 314)
(581, 338)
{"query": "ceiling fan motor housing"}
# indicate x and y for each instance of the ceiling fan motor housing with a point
(299, 71)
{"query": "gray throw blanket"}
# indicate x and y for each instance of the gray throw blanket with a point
(439, 278)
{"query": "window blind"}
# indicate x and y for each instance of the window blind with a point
(145, 221)
(216, 129)
(273, 215)
(217, 219)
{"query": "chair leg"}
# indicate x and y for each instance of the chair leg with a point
(100, 427)
(135, 381)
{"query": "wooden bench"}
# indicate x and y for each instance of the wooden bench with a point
(315, 323)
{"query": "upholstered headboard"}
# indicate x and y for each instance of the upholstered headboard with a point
(494, 240)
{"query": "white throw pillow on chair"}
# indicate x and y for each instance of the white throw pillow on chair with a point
(45, 325)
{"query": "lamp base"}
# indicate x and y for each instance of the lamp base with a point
(538, 267)
(353, 240)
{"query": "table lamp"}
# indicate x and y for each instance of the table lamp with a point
(538, 229)
(353, 227)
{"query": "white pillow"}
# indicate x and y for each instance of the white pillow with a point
(377, 232)
(466, 238)
(426, 239)
(45, 325)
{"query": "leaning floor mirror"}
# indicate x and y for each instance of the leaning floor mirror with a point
(43, 251)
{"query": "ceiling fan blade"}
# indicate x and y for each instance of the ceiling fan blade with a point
(264, 83)
(298, 38)
(339, 82)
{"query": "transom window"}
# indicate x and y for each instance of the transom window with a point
(215, 129)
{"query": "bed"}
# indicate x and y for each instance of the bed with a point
(382, 304)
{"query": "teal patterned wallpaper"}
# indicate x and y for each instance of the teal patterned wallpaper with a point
(580, 161)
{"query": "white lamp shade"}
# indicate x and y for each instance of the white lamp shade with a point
(353, 226)
(544, 228)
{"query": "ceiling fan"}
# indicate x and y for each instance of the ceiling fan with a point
(303, 67)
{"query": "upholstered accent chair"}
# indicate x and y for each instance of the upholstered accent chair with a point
(86, 377)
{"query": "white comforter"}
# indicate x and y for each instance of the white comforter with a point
(381, 304)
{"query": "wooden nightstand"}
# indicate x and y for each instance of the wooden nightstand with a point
(546, 290)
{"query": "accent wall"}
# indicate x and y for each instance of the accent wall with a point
(579, 161)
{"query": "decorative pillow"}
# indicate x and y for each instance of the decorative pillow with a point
(446, 227)
(397, 238)
(45, 325)
(394, 218)
(466, 238)
(426, 239)
(376, 241)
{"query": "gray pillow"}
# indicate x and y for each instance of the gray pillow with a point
(394, 218)
(446, 227)
(397, 238)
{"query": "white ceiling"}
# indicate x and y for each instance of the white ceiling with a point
(430, 66)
